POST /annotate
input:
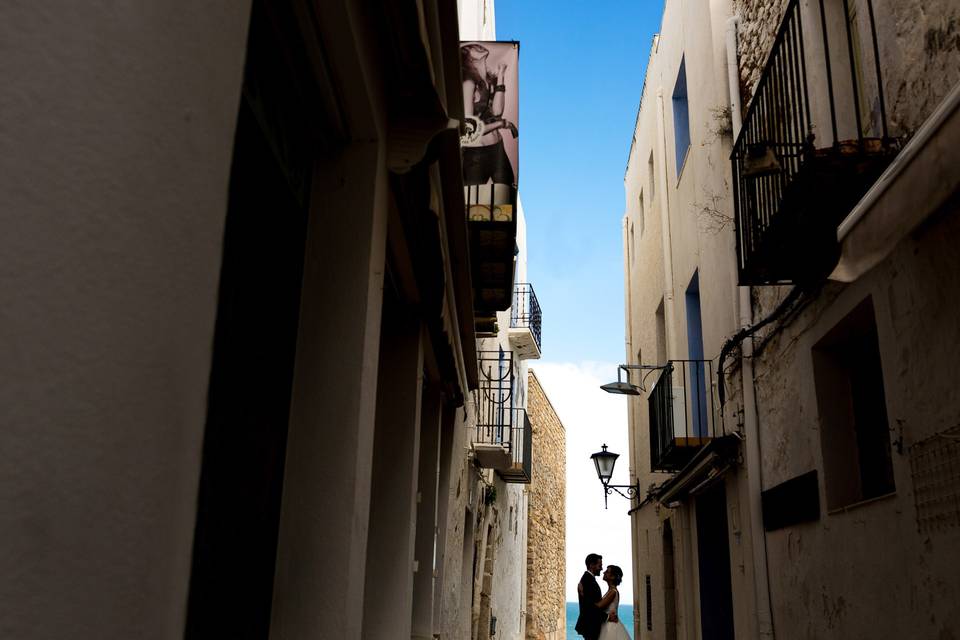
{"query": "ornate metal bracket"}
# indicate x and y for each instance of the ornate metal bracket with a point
(632, 491)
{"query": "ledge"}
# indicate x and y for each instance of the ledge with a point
(862, 503)
(917, 183)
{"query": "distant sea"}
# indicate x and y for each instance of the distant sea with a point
(573, 610)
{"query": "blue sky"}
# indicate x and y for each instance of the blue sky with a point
(581, 74)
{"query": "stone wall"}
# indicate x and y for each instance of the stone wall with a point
(919, 43)
(758, 23)
(546, 553)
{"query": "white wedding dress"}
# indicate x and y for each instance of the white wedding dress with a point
(614, 630)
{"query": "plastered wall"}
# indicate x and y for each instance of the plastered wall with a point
(114, 163)
(832, 576)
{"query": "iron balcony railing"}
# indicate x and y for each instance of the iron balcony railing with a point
(683, 414)
(499, 422)
(521, 443)
(814, 140)
(525, 311)
(495, 397)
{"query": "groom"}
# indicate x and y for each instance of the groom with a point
(591, 616)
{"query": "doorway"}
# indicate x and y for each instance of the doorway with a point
(713, 551)
(669, 585)
(254, 348)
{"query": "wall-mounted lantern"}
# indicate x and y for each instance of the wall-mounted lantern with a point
(604, 461)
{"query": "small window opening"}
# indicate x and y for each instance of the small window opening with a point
(681, 117)
(649, 603)
(651, 177)
(854, 429)
(642, 214)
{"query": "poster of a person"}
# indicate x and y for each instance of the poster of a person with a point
(489, 139)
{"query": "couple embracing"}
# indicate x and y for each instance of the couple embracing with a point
(598, 613)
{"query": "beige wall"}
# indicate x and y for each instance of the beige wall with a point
(834, 575)
(115, 179)
(867, 570)
(464, 506)
(478, 19)
(114, 162)
(509, 514)
(697, 209)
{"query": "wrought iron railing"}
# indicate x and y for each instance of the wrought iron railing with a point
(816, 113)
(683, 414)
(495, 398)
(521, 444)
(499, 421)
(525, 311)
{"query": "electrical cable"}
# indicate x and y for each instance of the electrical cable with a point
(734, 341)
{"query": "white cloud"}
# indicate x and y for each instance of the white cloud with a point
(591, 418)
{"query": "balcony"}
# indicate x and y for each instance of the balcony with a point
(493, 433)
(502, 437)
(493, 245)
(521, 442)
(682, 413)
(524, 332)
(813, 142)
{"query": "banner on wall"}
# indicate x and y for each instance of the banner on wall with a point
(490, 135)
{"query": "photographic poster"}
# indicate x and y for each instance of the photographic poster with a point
(490, 134)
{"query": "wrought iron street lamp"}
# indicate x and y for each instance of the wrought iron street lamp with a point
(604, 461)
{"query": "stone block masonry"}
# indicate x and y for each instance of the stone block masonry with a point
(546, 553)
(919, 51)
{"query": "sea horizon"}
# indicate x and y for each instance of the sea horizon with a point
(573, 610)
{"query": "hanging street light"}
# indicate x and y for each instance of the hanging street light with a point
(604, 462)
(627, 388)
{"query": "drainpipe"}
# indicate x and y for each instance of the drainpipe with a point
(628, 286)
(668, 307)
(750, 420)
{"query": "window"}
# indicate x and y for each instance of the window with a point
(661, 335)
(651, 174)
(630, 245)
(649, 603)
(681, 117)
(669, 585)
(854, 431)
(641, 214)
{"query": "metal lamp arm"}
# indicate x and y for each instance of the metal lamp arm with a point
(649, 368)
(632, 491)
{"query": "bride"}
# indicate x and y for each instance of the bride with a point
(612, 630)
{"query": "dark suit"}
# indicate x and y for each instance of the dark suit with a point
(591, 616)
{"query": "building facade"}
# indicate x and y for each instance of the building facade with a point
(241, 397)
(546, 547)
(680, 292)
(791, 199)
(487, 522)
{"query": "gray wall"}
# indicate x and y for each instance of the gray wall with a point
(115, 147)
